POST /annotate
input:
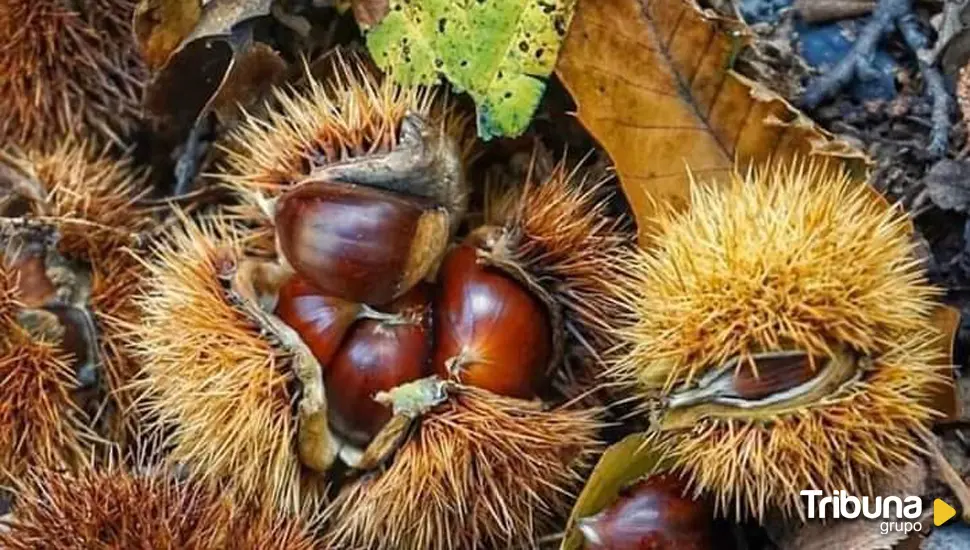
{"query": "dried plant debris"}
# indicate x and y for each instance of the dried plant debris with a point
(949, 537)
(948, 184)
(889, 15)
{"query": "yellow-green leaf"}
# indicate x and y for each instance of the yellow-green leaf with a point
(500, 51)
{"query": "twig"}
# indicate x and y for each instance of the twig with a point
(857, 61)
(950, 476)
(818, 11)
(915, 39)
(889, 14)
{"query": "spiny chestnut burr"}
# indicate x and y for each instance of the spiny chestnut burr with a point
(377, 355)
(72, 265)
(354, 128)
(212, 380)
(112, 508)
(653, 514)
(41, 425)
(67, 65)
(490, 331)
(358, 243)
(479, 471)
(780, 331)
(558, 238)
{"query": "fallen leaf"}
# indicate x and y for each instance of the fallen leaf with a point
(161, 26)
(220, 16)
(653, 83)
(621, 464)
(370, 12)
(179, 93)
(253, 73)
(943, 396)
(948, 184)
(501, 53)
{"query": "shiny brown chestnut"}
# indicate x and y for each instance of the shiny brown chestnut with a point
(652, 514)
(378, 355)
(490, 331)
(776, 373)
(359, 243)
(321, 321)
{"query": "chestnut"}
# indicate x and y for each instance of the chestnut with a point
(359, 243)
(35, 288)
(377, 355)
(652, 514)
(490, 330)
(321, 321)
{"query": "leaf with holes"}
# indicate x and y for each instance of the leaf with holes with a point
(653, 83)
(499, 51)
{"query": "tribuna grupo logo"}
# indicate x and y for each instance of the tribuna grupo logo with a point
(899, 514)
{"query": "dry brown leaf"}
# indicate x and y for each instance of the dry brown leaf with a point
(653, 84)
(944, 397)
(220, 16)
(253, 74)
(161, 25)
(180, 91)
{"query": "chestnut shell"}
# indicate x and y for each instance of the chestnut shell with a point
(321, 321)
(652, 514)
(358, 243)
(376, 356)
(490, 331)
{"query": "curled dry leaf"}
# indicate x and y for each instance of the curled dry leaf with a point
(175, 106)
(221, 70)
(621, 464)
(161, 25)
(220, 16)
(653, 84)
(253, 73)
